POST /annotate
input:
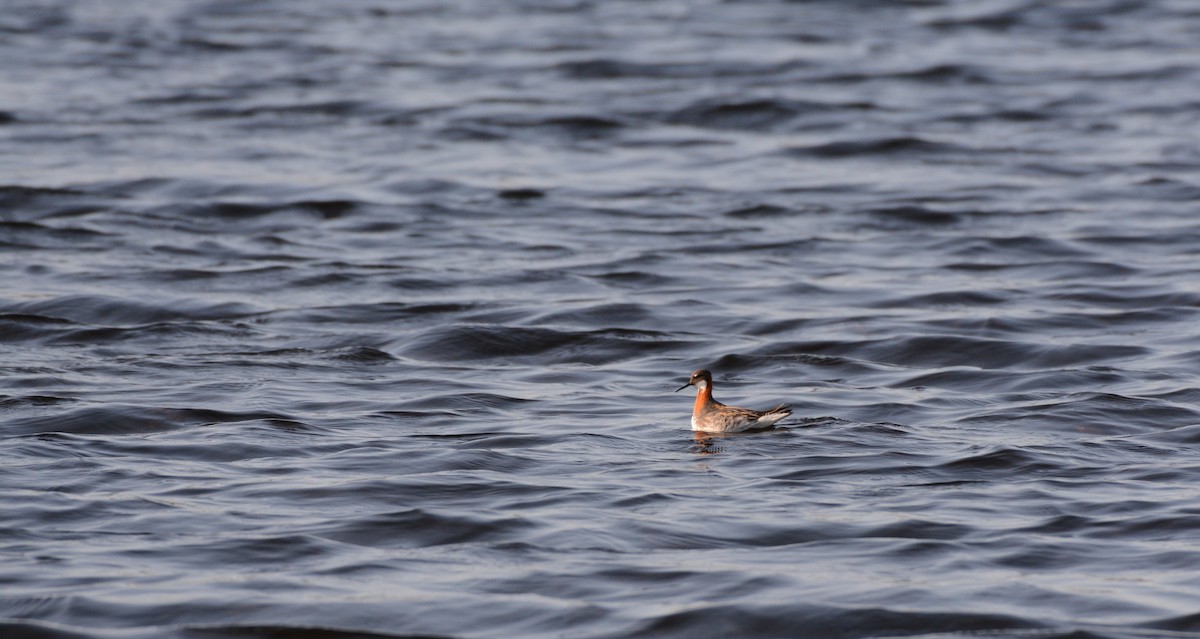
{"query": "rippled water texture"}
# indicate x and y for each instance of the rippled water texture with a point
(363, 319)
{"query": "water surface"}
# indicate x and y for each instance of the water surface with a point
(338, 320)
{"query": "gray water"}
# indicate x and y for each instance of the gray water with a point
(363, 319)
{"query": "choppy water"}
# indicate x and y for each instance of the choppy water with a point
(335, 320)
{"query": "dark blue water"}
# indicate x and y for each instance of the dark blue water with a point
(362, 319)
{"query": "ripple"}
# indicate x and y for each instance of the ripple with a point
(108, 310)
(879, 147)
(116, 419)
(482, 342)
(780, 620)
(417, 528)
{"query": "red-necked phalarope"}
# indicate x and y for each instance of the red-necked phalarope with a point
(711, 416)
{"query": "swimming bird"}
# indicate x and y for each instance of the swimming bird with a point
(711, 416)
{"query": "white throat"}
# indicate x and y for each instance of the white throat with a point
(702, 385)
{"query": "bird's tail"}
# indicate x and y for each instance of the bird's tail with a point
(773, 415)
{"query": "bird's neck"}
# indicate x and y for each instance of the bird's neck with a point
(703, 396)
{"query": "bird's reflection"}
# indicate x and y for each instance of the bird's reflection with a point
(704, 443)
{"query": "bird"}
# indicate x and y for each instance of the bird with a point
(711, 416)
